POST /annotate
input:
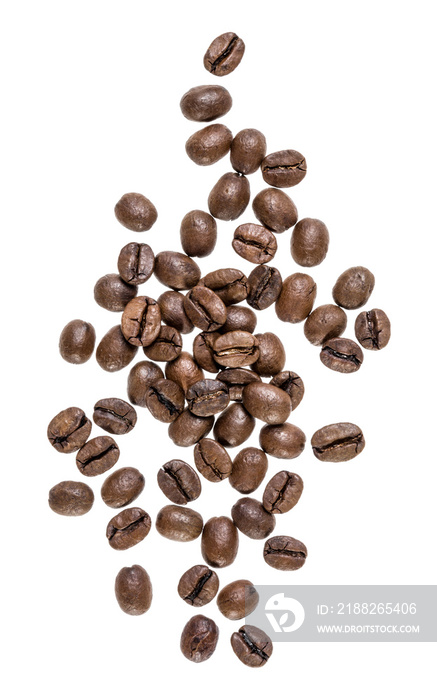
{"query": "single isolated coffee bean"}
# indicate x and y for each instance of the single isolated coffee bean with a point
(282, 492)
(285, 441)
(271, 359)
(136, 212)
(166, 347)
(252, 646)
(265, 284)
(209, 145)
(292, 384)
(141, 377)
(266, 402)
(165, 400)
(198, 586)
(325, 322)
(204, 308)
(188, 429)
(179, 524)
(212, 460)
(179, 482)
(236, 379)
(309, 242)
(248, 150)
(254, 243)
(338, 442)
(238, 599)
(239, 318)
(198, 234)
(229, 197)
(275, 210)
(128, 528)
(372, 329)
(205, 103)
(342, 355)
(115, 416)
(224, 54)
(285, 553)
(207, 397)
(133, 590)
(135, 263)
(122, 487)
(284, 168)
(71, 498)
(176, 270)
(219, 542)
(141, 321)
(234, 426)
(114, 352)
(296, 299)
(184, 371)
(353, 288)
(77, 341)
(236, 349)
(203, 351)
(252, 519)
(113, 293)
(173, 311)
(199, 639)
(97, 456)
(229, 284)
(248, 470)
(69, 430)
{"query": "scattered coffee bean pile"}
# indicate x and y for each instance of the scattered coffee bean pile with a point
(193, 405)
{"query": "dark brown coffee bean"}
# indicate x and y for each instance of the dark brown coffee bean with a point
(238, 599)
(179, 482)
(133, 590)
(165, 400)
(252, 646)
(236, 379)
(254, 243)
(252, 519)
(204, 308)
(141, 321)
(284, 168)
(128, 528)
(229, 197)
(275, 210)
(115, 416)
(236, 349)
(282, 492)
(229, 284)
(97, 456)
(212, 460)
(296, 299)
(248, 470)
(198, 233)
(207, 397)
(198, 586)
(114, 352)
(176, 270)
(173, 311)
(179, 524)
(234, 426)
(338, 442)
(239, 318)
(141, 377)
(265, 284)
(271, 359)
(188, 429)
(224, 54)
(372, 329)
(284, 441)
(136, 212)
(71, 498)
(309, 242)
(136, 262)
(113, 293)
(166, 347)
(353, 288)
(248, 149)
(76, 342)
(292, 384)
(205, 103)
(184, 371)
(199, 639)
(325, 322)
(285, 553)
(122, 487)
(342, 355)
(208, 145)
(69, 430)
(266, 402)
(219, 542)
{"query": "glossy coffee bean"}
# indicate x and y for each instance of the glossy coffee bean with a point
(234, 426)
(338, 442)
(266, 402)
(113, 293)
(252, 519)
(325, 322)
(141, 377)
(166, 347)
(239, 318)
(77, 341)
(198, 586)
(236, 349)
(136, 262)
(236, 379)
(265, 284)
(309, 242)
(136, 212)
(173, 311)
(205, 309)
(275, 210)
(69, 430)
(203, 350)
(165, 400)
(176, 270)
(285, 553)
(271, 359)
(205, 103)
(179, 482)
(97, 456)
(207, 397)
(141, 321)
(179, 524)
(248, 150)
(71, 498)
(342, 355)
(353, 288)
(252, 646)
(199, 639)
(122, 487)
(284, 168)
(224, 54)
(115, 416)
(284, 441)
(248, 470)
(219, 542)
(184, 371)
(282, 492)
(292, 384)
(188, 429)
(198, 233)
(296, 299)
(238, 599)
(229, 197)
(128, 528)
(133, 590)
(373, 329)
(228, 283)
(114, 352)
(254, 243)
(209, 145)
(212, 460)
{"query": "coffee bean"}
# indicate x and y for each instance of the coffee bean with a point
(136, 262)
(248, 149)
(238, 599)
(219, 542)
(114, 352)
(229, 197)
(204, 308)
(115, 416)
(128, 528)
(282, 492)
(179, 523)
(275, 210)
(198, 233)
(207, 397)
(296, 299)
(239, 318)
(205, 103)
(113, 293)
(338, 442)
(173, 311)
(292, 384)
(76, 342)
(266, 402)
(252, 519)
(325, 322)
(229, 284)
(234, 426)
(248, 470)
(141, 377)
(71, 498)
(254, 243)
(199, 639)
(141, 321)
(224, 54)
(198, 586)
(309, 242)
(353, 288)
(285, 553)
(97, 456)
(252, 646)
(166, 347)
(342, 355)
(284, 168)
(212, 460)
(265, 284)
(133, 590)
(176, 270)
(122, 487)
(285, 441)
(165, 400)
(271, 358)
(184, 371)
(208, 145)
(188, 429)
(236, 349)
(136, 212)
(179, 482)
(372, 329)
(69, 430)
(236, 379)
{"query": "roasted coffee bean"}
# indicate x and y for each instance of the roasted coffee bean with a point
(285, 553)
(165, 400)
(198, 586)
(234, 426)
(71, 498)
(372, 329)
(239, 318)
(282, 492)
(219, 541)
(229, 197)
(252, 646)
(342, 355)
(204, 308)
(265, 284)
(176, 270)
(128, 528)
(207, 397)
(236, 349)
(133, 590)
(173, 311)
(284, 441)
(113, 293)
(292, 384)
(275, 210)
(284, 168)
(212, 460)
(188, 429)
(136, 262)
(353, 288)
(136, 212)
(309, 242)
(141, 377)
(97, 456)
(229, 284)
(114, 352)
(248, 149)
(199, 639)
(254, 243)
(166, 347)
(224, 54)
(184, 371)
(208, 145)
(236, 379)
(122, 487)
(198, 233)
(296, 299)
(179, 482)
(205, 103)
(271, 359)
(266, 402)
(115, 416)
(141, 321)
(69, 430)
(248, 470)
(179, 523)
(238, 599)
(338, 442)
(77, 341)
(325, 322)
(252, 519)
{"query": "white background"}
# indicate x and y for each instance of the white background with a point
(91, 111)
